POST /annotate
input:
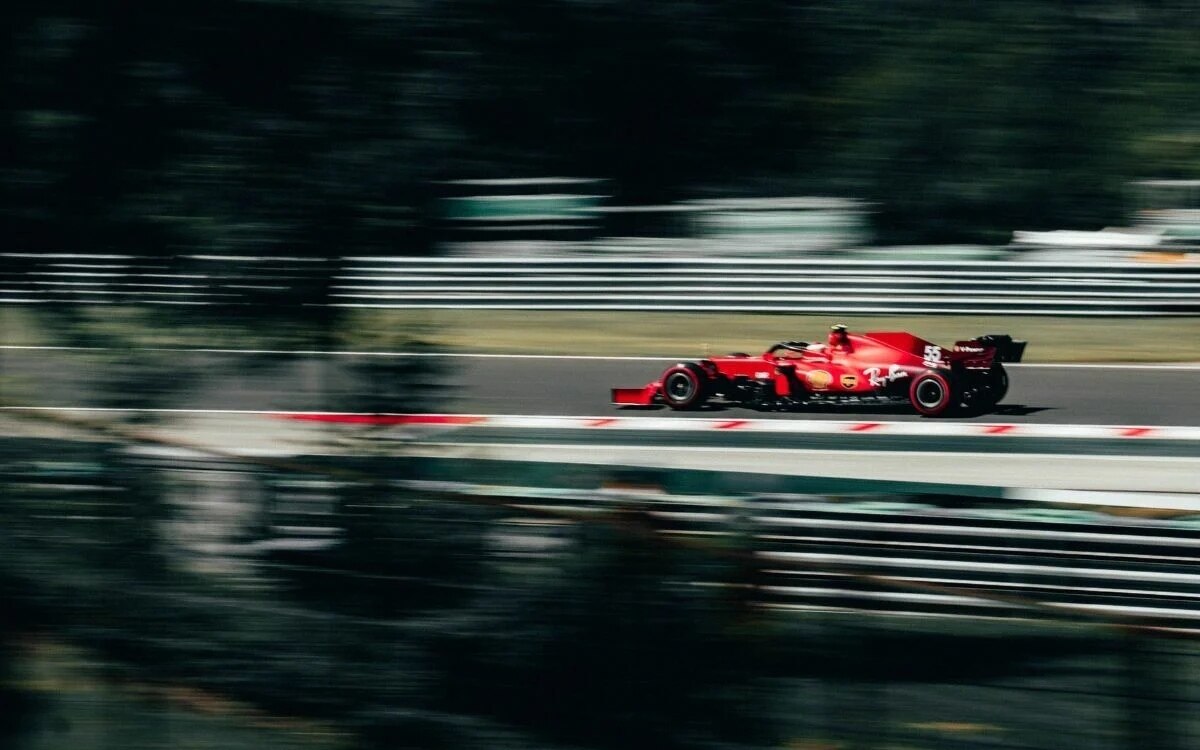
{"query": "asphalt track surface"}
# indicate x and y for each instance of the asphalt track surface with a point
(493, 384)
(1061, 395)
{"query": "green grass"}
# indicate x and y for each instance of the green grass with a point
(1051, 339)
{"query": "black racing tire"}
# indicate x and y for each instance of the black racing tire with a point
(933, 394)
(987, 390)
(685, 386)
(997, 383)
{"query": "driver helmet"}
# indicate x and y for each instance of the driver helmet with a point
(838, 335)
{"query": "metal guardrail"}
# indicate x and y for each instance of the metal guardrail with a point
(751, 285)
(636, 283)
(813, 554)
(192, 280)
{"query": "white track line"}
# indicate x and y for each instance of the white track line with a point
(608, 423)
(831, 455)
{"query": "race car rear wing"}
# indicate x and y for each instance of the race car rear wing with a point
(1006, 350)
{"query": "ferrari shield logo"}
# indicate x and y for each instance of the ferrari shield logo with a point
(819, 379)
(848, 382)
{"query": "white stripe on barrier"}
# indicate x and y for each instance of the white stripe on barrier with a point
(693, 262)
(959, 566)
(1151, 500)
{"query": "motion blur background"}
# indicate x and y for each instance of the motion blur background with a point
(309, 313)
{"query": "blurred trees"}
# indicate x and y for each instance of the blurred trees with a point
(277, 127)
(414, 631)
(436, 623)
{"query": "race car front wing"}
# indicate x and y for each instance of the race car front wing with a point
(636, 396)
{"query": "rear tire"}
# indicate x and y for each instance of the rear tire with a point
(685, 386)
(997, 382)
(986, 391)
(932, 394)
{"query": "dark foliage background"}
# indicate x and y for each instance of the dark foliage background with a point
(286, 127)
(419, 631)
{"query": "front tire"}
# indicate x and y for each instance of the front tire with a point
(684, 386)
(932, 394)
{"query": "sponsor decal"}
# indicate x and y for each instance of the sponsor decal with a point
(969, 349)
(878, 378)
(819, 379)
(849, 381)
(933, 357)
(762, 375)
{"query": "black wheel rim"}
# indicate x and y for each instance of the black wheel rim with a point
(930, 394)
(680, 387)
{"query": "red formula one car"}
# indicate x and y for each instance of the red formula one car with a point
(870, 368)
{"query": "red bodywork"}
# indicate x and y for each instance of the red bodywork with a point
(862, 365)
